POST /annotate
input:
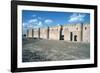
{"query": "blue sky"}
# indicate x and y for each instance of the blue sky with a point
(40, 19)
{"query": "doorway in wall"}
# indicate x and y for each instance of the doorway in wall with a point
(75, 37)
(62, 37)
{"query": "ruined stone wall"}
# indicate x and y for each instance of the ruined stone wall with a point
(43, 33)
(29, 33)
(36, 33)
(72, 32)
(78, 32)
(86, 33)
(54, 33)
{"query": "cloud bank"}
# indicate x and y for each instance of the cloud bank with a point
(76, 17)
(37, 22)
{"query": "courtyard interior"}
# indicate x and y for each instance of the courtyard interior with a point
(35, 50)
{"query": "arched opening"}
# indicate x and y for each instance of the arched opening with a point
(85, 28)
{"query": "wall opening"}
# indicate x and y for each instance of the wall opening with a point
(71, 36)
(85, 28)
(62, 37)
(75, 38)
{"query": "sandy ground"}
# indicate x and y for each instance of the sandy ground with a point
(34, 50)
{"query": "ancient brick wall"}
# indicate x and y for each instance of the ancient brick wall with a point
(70, 32)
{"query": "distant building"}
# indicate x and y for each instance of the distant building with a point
(69, 32)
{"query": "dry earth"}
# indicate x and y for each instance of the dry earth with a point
(34, 50)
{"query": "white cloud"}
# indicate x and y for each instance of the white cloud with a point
(40, 23)
(33, 15)
(58, 24)
(40, 18)
(75, 17)
(36, 23)
(25, 25)
(48, 21)
(32, 21)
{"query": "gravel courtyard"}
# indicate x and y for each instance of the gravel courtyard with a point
(34, 50)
